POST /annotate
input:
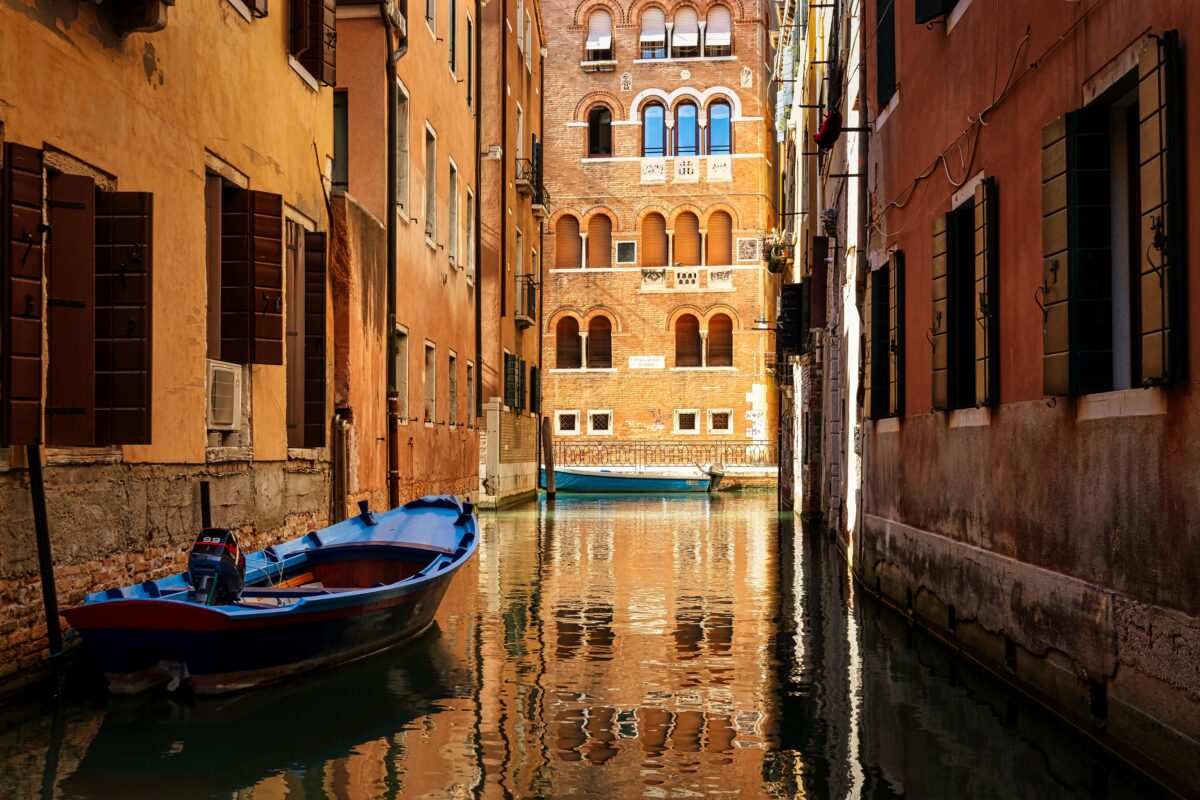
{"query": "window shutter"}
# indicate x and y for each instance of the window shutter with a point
(535, 390)
(259, 7)
(510, 380)
(314, 37)
(521, 388)
(566, 243)
(687, 240)
(21, 295)
(720, 341)
(1163, 223)
(987, 295)
(720, 240)
(71, 311)
(1056, 345)
(820, 280)
(314, 339)
(896, 334)
(885, 51)
(599, 242)
(599, 350)
(929, 10)
(941, 317)
(654, 241)
(869, 323)
(252, 278)
(687, 341)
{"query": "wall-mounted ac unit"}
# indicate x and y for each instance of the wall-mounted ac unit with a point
(224, 396)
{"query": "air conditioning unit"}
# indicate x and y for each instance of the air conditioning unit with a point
(224, 396)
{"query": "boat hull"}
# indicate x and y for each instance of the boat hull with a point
(600, 481)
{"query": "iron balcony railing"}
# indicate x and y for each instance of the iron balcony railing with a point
(527, 300)
(666, 453)
(529, 181)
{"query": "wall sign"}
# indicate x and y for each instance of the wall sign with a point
(647, 362)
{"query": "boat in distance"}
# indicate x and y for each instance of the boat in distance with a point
(235, 621)
(617, 481)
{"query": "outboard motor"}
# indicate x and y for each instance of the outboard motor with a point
(216, 567)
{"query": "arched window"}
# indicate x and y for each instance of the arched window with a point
(687, 341)
(720, 130)
(599, 255)
(599, 38)
(687, 132)
(654, 131)
(654, 240)
(718, 37)
(599, 132)
(687, 240)
(685, 39)
(566, 243)
(599, 349)
(567, 344)
(720, 341)
(654, 34)
(720, 240)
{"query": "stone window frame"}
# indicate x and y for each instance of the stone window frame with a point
(558, 416)
(713, 411)
(695, 431)
(593, 412)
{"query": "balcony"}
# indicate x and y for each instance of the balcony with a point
(526, 176)
(540, 204)
(527, 301)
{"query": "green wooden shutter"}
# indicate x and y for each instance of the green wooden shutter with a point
(869, 346)
(896, 334)
(987, 295)
(535, 390)
(510, 380)
(1163, 224)
(520, 384)
(941, 316)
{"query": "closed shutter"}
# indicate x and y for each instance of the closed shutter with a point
(314, 37)
(940, 324)
(687, 240)
(521, 388)
(535, 390)
(820, 281)
(896, 334)
(124, 269)
(885, 51)
(869, 358)
(987, 295)
(314, 339)
(21, 296)
(1163, 222)
(599, 255)
(567, 344)
(720, 341)
(510, 380)
(599, 349)
(687, 342)
(566, 243)
(720, 240)
(252, 278)
(71, 311)
(654, 241)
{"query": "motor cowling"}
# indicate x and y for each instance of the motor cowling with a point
(216, 567)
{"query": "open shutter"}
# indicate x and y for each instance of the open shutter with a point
(987, 351)
(1056, 339)
(1163, 224)
(21, 296)
(941, 315)
(314, 37)
(314, 339)
(71, 311)
(896, 334)
(252, 278)
(654, 241)
(869, 323)
(820, 281)
(124, 260)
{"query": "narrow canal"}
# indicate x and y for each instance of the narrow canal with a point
(607, 648)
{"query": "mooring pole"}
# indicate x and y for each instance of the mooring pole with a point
(205, 505)
(41, 528)
(548, 455)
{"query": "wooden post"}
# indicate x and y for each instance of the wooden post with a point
(548, 455)
(205, 505)
(41, 529)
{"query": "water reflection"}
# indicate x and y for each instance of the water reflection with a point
(608, 647)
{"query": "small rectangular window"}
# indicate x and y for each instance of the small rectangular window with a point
(452, 246)
(885, 51)
(685, 420)
(566, 423)
(402, 152)
(470, 63)
(341, 143)
(430, 184)
(452, 376)
(528, 44)
(453, 37)
(470, 395)
(720, 421)
(401, 386)
(600, 423)
(430, 383)
(626, 252)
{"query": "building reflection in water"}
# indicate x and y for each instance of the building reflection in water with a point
(605, 647)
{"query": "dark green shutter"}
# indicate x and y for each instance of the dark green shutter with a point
(510, 380)
(896, 334)
(987, 294)
(879, 366)
(940, 323)
(1163, 262)
(520, 384)
(535, 390)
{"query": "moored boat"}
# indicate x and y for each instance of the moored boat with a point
(234, 621)
(622, 481)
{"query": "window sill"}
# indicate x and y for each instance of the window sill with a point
(686, 433)
(888, 109)
(222, 455)
(683, 60)
(304, 74)
(590, 370)
(305, 453)
(599, 433)
(887, 425)
(971, 418)
(82, 455)
(1121, 403)
(566, 433)
(704, 369)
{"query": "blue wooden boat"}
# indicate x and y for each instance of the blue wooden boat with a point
(330, 596)
(603, 479)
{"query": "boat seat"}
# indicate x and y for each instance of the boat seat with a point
(290, 591)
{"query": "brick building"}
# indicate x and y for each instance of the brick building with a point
(656, 143)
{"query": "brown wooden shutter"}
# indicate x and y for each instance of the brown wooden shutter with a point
(124, 268)
(21, 296)
(720, 341)
(314, 37)
(820, 280)
(259, 8)
(599, 351)
(1163, 223)
(314, 339)
(567, 344)
(987, 295)
(599, 254)
(654, 241)
(687, 341)
(566, 243)
(687, 240)
(71, 311)
(1056, 339)
(896, 334)
(940, 323)
(252, 278)
(868, 352)
(720, 240)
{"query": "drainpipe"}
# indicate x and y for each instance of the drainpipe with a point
(477, 222)
(502, 27)
(541, 229)
(394, 54)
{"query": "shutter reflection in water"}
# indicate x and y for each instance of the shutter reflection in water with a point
(600, 647)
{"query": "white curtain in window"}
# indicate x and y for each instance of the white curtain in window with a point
(718, 33)
(599, 31)
(654, 27)
(687, 29)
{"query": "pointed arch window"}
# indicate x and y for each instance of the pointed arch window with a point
(719, 240)
(685, 39)
(687, 341)
(599, 255)
(599, 349)
(567, 344)
(599, 132)
(599, 39)
(567, 243)
(654, 131)
(654, 34)
(687, 240)
(720, 129)
(718, 33)
(720, 341)
(654, 240)
(687, 131)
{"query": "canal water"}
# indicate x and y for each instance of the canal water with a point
(675, 647)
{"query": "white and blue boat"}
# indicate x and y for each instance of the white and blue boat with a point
(615, 480)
